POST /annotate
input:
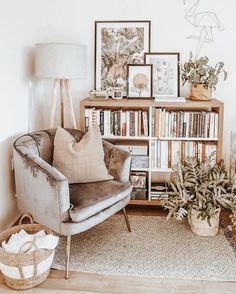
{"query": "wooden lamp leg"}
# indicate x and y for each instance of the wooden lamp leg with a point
(53, 105)
(62, 94)
(70, 105)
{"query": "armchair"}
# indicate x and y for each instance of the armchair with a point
(68, 209)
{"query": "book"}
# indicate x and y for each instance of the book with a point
(170, 99)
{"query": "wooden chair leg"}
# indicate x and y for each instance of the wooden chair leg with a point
(126, 219)
(68, 242)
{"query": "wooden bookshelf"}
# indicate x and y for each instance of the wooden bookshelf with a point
(148, 105)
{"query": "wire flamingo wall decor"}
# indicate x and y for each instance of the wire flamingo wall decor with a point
(205, 21)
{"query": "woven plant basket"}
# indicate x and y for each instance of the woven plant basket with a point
(199, 93)
(201, 227)
(25, 270)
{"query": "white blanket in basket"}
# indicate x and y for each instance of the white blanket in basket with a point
(41, 240)
(17, 241)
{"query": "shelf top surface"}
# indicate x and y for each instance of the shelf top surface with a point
(147, 103)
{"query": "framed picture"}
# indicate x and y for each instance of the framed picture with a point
(118, 43)
(139, 81)
(233, 152)
(165, 74)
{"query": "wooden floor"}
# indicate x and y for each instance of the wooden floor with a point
(97, 283)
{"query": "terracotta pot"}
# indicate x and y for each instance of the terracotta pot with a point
(200, 93)
(201, 227)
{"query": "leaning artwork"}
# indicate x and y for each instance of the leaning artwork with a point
(116, 45)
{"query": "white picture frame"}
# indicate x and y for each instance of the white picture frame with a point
(165, 74)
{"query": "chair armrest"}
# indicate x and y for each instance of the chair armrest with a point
(119, 165)
(118, 162)
(41, 189)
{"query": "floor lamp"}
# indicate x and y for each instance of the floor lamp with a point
(61, 62)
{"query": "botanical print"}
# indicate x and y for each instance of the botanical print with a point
(139, 81)
(119, 44)
(165, 75)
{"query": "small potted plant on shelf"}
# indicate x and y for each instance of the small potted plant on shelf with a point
(199, 191)
(202, 77)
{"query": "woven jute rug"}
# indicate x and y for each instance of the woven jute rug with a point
(155, 247)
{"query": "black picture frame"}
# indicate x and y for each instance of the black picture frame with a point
(165, 63)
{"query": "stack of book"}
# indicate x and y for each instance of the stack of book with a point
(118, 122)
(159, 191)
(165, 154)
(184, 124)
(138, 180)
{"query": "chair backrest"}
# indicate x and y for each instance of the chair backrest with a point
(41, 143)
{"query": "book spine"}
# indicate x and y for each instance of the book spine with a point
(132, 123)
(128, 123)
(136, 123)
(157, 123)
(102, 122)
(145, 123)
(123, 122)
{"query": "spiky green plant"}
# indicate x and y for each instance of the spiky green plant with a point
(203, 186)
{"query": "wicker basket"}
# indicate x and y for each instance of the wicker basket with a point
(25, 270)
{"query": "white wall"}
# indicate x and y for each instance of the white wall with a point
(26, 22)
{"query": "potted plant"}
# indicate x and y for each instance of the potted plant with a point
(199, 190)
(201, 76)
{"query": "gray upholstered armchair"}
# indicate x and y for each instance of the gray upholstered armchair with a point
(45, 193)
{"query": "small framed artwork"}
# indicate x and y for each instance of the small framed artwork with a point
(165, 74)
(118, 43)
(139, 81)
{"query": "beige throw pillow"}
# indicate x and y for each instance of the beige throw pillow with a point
(83, 161)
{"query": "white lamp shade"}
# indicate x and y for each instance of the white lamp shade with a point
(60, 61)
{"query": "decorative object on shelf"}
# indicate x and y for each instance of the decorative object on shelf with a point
(139, 81)
(98, 95)
(159, 191)
(60, 62)
(136, 148)
(139, 162)
(165, 74)
(118, 43)
(202, 77)
(203, 187)
(138, 179)
(117, 93)
(139, 182)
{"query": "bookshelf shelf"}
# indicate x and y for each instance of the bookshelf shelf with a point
(203, 115)
(145, 202)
